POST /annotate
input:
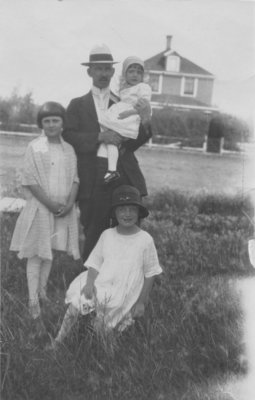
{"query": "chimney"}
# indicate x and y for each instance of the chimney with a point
(168, 42)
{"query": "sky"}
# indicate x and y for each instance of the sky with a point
(43, 43)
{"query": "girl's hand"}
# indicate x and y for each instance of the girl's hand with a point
(88, 291)
(138, 310)
(56, 207)
(65, 210)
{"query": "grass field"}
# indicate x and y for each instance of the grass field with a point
(187, 346)
(195, 171)
(190, 341)
(185, 170)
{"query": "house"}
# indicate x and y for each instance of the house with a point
(178, 82)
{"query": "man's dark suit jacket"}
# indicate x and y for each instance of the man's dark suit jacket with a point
(82, 130)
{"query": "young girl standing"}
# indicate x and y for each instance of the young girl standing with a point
(121, 270)
(48, 220)
(122, 117)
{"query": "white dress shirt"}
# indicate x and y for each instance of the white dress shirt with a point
(101, 99)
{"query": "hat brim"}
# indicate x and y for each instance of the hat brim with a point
(89, 63)
(143, 212)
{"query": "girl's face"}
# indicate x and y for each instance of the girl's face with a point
(134, 74)
(127, 216)
(53, 127)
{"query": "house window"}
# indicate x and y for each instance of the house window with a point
(173, 63)
(154, 82)
(189, 87)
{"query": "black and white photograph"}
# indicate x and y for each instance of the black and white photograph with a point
(127, 199)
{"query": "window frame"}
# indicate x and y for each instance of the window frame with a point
(183, 82)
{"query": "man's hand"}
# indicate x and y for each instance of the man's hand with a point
(127, 113)
(144, 110)
(110, 137)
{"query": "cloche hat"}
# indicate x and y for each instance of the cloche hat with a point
(129, 61)
(126, 194)
(51, 108)
(100, 54)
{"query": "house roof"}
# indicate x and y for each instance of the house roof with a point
(169, 99)
(157, 63)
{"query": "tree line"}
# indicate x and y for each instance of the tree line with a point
(189, 128)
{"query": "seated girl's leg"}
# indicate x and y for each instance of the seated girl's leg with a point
(69, 320)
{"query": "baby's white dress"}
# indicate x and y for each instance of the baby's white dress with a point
(123, 261)
(127, 127)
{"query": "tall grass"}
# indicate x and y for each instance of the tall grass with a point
(189, 341)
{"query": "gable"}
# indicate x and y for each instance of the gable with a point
(157, 63)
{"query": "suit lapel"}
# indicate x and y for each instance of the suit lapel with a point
(89, 105)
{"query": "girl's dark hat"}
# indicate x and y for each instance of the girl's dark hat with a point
(126, 194)
(51, 108)
(100, 55)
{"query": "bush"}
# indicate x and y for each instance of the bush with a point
(18, 113)
(191, 127)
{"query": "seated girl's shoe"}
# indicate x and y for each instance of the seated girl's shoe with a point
(111, 176)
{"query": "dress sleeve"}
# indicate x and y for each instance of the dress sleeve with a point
(145, 91)
(74, 162)
(151, 262)
(95, 258)
(29, 171)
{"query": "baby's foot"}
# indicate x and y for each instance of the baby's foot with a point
(111, 176)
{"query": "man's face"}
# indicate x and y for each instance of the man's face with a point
(101, 74)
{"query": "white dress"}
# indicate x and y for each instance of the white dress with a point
(54, 168)
(58, 192)
(123, 261)
(127, 127)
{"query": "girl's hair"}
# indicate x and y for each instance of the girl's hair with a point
(51, 108)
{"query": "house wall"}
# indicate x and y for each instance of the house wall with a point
(171, 85)
(205, 90)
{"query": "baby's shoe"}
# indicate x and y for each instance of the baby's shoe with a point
(111, 176)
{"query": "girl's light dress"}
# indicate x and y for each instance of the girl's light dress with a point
(122, 262)
(54, 168)
(127, 127)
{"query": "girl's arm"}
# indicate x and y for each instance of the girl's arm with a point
(139, 307)
(71, 199)
(89, 288)
(41, 196)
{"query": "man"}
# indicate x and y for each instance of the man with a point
(83, 132)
